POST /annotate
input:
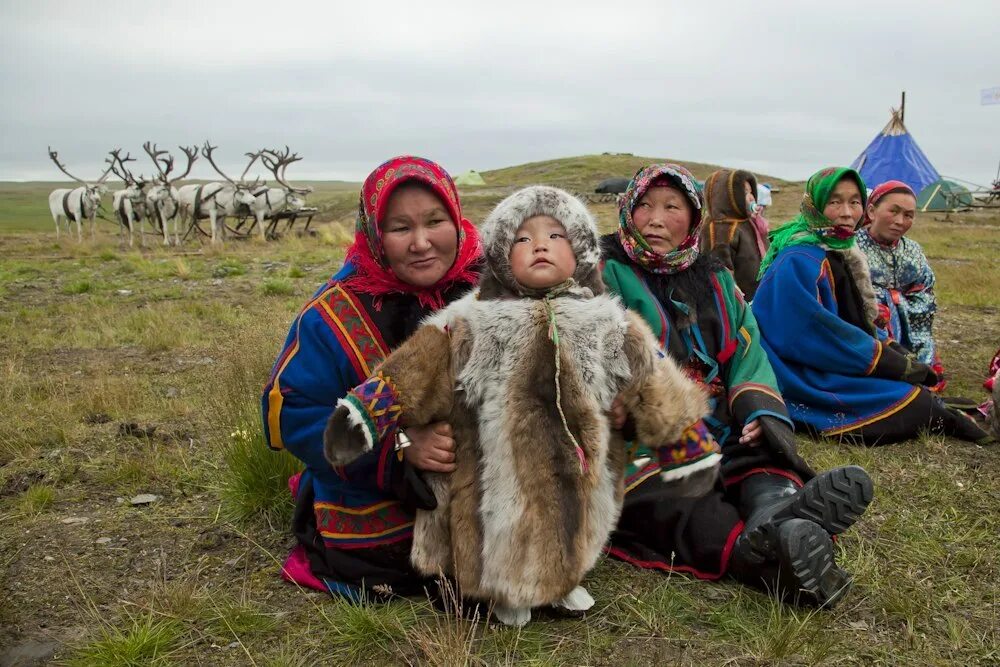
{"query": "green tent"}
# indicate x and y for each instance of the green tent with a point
(943, 195)
(470, 177)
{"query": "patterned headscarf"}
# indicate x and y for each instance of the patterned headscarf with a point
(810, 226)
(372, 272)
(635, 246)
(883, 189)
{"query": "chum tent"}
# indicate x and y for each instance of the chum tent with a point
(895, 155)
(612, 186)
(943, 195)
(470, 177)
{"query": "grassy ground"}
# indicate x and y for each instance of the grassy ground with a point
(126, 373)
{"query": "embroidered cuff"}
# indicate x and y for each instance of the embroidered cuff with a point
(752, 399)
(696, 450)
(374, 407)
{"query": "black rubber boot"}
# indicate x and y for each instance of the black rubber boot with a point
(833, 500)
(807, 573)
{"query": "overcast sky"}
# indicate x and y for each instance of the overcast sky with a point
(783, 88)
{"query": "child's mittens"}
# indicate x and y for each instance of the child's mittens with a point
(691, 464)
(343, 439)
(364, 417)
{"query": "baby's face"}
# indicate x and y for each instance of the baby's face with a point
(541, 256)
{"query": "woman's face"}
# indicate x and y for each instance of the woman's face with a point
(892, 217)
(663, 217)
(844, 207)
(419, 237)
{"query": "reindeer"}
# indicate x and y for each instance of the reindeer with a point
(77, 203)
(269, 201)
(163, 199)
(129, 204)
(215, 201)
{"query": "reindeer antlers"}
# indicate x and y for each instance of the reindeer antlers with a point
(55, 158)
(168, 161)
(278, 161)
(121, 171)
(207, 150)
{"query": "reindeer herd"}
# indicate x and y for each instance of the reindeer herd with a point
(165, 205)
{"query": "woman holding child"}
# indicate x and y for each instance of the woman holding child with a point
(759, 525)
(413, 252)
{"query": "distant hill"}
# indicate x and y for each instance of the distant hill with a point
(24, 206)
(584, 172)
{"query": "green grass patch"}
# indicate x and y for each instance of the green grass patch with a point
(36, 499)
(277, 287)
(228, 268)
(78, 287)
(145, 640)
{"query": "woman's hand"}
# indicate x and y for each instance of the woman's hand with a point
(433, 447)
(752, 433)
(617, 414)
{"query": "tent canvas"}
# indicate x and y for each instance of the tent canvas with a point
(470, 177)
(943, 195)
(895, 155)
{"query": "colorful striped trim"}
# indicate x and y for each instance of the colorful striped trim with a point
(664, 566)
(355, 330)
(753, 386)
(345, 527)
(825, 272)
(650, 470)
(875, 358)
(888, 412)
(781, 472)
(746, 339)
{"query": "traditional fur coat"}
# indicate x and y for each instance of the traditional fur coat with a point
(538, 485)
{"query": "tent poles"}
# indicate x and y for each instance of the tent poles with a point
(902, 109)
(931, 198)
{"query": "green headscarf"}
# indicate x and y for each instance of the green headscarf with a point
(810, 226)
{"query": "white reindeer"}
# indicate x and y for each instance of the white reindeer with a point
(163, 199)
(78, 203)
(270, 201)
(216, 201)
(129, 204)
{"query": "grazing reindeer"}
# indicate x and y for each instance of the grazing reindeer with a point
(163, 199)
(269, 201)
(77, 203)
(129, 204)
(215, 201)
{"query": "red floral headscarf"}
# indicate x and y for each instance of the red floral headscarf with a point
(367, 254)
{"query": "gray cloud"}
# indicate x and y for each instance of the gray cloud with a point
(779, 87)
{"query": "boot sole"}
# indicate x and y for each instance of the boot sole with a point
(835, 499)
(808, 573)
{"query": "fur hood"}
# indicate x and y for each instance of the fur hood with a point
(500, 226)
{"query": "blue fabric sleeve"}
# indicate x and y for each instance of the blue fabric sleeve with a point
(801, 329)
(311, 374)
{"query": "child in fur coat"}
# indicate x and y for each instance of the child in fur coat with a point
(525, 370)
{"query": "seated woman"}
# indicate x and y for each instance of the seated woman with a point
(735, 231)
(413, 252)
(757, 525)
(901, 276)
(817, 311)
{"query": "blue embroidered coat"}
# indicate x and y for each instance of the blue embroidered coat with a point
(333, 345)
(834, 372)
